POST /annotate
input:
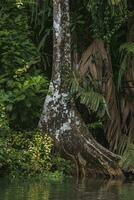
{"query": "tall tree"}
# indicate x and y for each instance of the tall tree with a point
(60, 117)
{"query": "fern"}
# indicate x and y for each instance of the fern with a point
(91, 99)
(88, 96)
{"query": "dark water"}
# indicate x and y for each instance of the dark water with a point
(68, 190)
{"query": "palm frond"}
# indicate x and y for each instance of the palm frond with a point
(91, 99)
(123, 142)
(128, 47)
(40, 21)
(127, 54)
(128, 158)
(88, 96)
(121, 4)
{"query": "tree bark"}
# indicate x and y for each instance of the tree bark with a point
(59, 117)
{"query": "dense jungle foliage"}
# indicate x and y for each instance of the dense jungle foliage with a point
(26, 45)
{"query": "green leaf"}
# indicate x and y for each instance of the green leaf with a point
(9, 107)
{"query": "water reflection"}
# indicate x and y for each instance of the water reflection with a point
(68, 190)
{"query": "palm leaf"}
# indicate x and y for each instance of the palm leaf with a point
(127, 54)
(85, 92)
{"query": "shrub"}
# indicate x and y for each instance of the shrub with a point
(26, 153)
(22, 85)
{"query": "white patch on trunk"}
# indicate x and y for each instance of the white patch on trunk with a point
(57, 133)
(65, 127)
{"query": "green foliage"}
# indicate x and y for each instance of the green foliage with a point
(89, 96)
(56, 176)
(61, 165)
(126, 55)
(107, 17)
(128, 158)
(21, 98)
(128, 48)
(29, 153)
(40, 150)
(96, 125)
(120, 3)
(22, 85)
(16, 50)
(40, 20)
(26, 153)
(4, 125)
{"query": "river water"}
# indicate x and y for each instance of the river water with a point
(66, 190)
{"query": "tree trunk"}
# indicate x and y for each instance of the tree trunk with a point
(60, 117)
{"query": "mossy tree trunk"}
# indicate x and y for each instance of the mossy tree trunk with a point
(60, 117)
